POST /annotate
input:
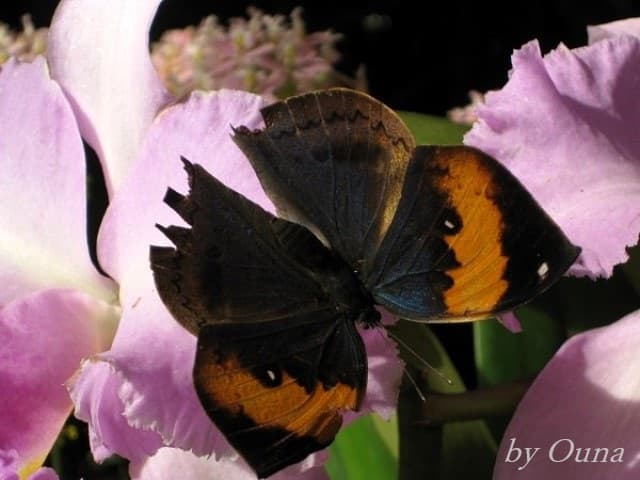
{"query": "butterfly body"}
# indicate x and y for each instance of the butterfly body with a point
(366, 218)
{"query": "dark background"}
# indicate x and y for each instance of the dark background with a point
(415, 61)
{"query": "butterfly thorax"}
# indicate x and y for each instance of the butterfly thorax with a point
(340, 283)
(349, 295)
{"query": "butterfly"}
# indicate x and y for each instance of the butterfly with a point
(366, 218)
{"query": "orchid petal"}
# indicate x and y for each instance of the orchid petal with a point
(9, 461)
(628, 26)
(587, 396)
(510, 321)
(44, 474)
(115, 94)
(385, 370)
(42, 200)
(44, 336)
(174, 463)
(584, 165)
(136, 398)
(9, 466)
(158, 389)
(155, 384)
(94, 390)
(199, 130)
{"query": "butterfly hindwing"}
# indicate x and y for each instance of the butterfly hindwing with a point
(279, 397)
(277, 362)
(468, 241)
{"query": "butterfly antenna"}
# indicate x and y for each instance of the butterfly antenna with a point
(426, 364)
(406, 372)
(415, 384)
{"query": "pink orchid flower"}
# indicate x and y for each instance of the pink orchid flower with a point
(72, 337)
(567, 125)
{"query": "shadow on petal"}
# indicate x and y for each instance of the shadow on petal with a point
(587, 397)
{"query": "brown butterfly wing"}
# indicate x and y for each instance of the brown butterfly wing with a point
(279, 397)
(236, 262)
(468, 241)
(335, 161)
(277, 362)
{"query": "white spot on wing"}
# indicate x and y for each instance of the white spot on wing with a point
(543, 269)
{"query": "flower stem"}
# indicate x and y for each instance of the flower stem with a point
(487, 402)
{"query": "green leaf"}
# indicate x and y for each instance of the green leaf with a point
(388, 431)
(367, 449)
(502, 356)
(469, 451)
(430, 130)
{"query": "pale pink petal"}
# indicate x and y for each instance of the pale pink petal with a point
(10, 464)
(628, 26)
(199, 130)
(44, 474)
(139, 395)
(9, 460)
(174, 463)
(95, 394)
(510, 322)
(98, 50)
(311, 468)
(565, 126)
(588, 394)
(384, 373)
(44, 336)
(157, 383)
(152, 355)
(42, 199)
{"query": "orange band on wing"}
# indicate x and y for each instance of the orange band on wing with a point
(478, 282)
(287, 405)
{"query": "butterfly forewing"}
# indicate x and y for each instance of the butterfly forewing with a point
(230, 265)
(335, 161)
(468, 241)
